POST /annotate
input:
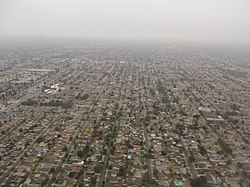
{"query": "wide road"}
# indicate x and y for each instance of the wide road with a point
(216, 137)
(103, 172)
(146, 140)
(190, 164)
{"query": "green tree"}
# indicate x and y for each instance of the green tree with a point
(52, 170)
(65, 148)
(199, 182)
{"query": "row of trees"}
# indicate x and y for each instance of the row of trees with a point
(52, 103)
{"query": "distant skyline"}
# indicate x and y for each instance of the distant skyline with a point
(198, 21)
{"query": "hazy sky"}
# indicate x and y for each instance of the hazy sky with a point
(220, 21)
